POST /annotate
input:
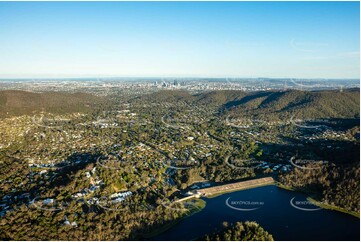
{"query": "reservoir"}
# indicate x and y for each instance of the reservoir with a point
(287, 215)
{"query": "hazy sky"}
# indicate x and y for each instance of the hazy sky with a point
(213, 39)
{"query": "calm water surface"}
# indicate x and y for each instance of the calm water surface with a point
(270, 207)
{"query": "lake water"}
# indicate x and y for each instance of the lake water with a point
(271, 207)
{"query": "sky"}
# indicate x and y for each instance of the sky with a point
(180, 39)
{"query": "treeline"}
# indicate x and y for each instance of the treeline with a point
(240, 231)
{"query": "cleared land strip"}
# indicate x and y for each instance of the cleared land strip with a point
(236, 186)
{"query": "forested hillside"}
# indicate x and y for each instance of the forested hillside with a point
(22, 102)
(269, 105)
(300, 104)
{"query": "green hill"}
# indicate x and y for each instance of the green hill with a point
(302, 104)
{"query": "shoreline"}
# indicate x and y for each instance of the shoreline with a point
(199, 206)
(318, 203)
(331, 207)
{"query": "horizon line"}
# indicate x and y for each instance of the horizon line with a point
(193, 77)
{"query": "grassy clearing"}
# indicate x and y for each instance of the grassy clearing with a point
(197, 206)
